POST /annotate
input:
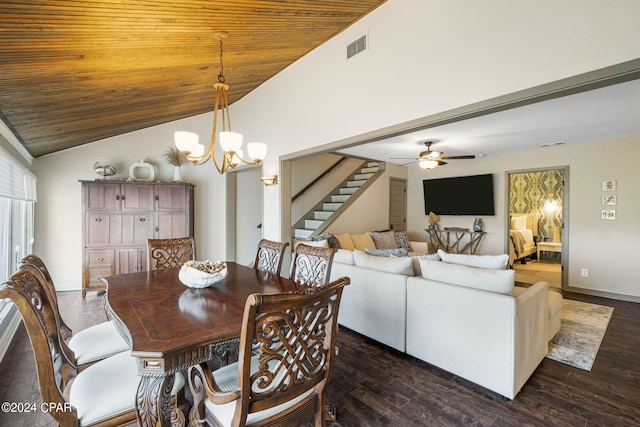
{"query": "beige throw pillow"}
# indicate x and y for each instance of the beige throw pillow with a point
(345, 241)
(361, 241)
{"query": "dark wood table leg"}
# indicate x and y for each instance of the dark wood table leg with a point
(154, 403)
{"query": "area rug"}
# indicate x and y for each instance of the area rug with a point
(582, 327)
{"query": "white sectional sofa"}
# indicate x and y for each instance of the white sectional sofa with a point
(469, 321)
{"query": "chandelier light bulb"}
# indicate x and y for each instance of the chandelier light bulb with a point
(257, 151)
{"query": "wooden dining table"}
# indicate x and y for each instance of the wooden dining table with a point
(171, 327)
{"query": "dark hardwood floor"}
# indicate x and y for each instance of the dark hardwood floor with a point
(373, 385)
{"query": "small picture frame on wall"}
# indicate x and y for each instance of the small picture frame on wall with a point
(608, 214)
(609, 200)
(609, 185)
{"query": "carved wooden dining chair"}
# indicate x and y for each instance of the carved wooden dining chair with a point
(312, 265)
(285, 383)
(102, 394)
(167, 253)
(86, 346)
(269, 256)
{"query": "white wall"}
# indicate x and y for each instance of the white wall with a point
(606, 248)
(425, 57)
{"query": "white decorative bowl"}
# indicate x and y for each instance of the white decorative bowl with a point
(194, 278)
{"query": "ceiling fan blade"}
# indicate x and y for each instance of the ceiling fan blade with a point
(458, 157)
(405, 164)
(404, 158)
(440, 162)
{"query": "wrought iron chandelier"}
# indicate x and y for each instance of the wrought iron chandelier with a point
(230, 142)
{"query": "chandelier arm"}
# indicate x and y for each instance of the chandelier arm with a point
(221, 169)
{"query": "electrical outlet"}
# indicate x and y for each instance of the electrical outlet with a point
(584, 272)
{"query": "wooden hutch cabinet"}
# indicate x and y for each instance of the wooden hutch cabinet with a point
(119, 217)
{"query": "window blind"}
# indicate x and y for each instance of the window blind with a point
(16, 182)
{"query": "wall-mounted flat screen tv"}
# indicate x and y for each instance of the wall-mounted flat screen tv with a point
(462, 195)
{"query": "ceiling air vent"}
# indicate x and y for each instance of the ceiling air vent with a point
(357, 46)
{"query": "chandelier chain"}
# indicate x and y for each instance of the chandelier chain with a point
(221, 74)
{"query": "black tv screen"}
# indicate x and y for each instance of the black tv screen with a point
(462, 195)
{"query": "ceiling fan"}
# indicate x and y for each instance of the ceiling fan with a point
(431, 158)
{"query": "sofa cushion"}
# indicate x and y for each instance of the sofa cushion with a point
(399, 265)
(345, 241)
(344, 256)
(415, 261)
(500, 281)
(386, 252)
(361, 241)
(494, 262)
(402, 240)
(384, 239)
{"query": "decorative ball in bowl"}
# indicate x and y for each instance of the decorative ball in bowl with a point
(201, 274)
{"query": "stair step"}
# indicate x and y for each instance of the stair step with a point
(348, 190)
(363, 176)
(355, 183)
(372, 165)
(340, 198)
(331, 206)
(372, 169)
(322, 215)
(312, 224)
(301, 233)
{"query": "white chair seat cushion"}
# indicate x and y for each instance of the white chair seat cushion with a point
(97, 342)
(227, 378)
(109, 388)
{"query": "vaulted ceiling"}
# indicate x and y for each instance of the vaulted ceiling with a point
(76, 71)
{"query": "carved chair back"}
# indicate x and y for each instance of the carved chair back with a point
(312, 265)
(287, 348)
(27, 291)
(167, 253)
(35, 262)
(269, 256)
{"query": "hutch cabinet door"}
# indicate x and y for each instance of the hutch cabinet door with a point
(137, 197)
(172, 225)
(130, 260)
(102, 196)
(172, 197)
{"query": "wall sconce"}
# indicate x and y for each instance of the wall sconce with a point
(551, 205)
(269, 180)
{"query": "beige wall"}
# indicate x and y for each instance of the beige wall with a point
(606, 248)
(371, 210)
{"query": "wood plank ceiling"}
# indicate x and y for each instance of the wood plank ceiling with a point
(76, 71)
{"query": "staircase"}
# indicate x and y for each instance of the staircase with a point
(326, 211)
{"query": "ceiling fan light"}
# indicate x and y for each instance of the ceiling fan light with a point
(427, 164)
(434, 154)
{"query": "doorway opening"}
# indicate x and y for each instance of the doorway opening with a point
(538, 225)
